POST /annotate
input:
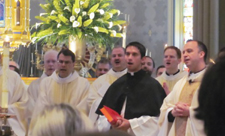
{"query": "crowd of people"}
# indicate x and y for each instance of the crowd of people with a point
(173, 103)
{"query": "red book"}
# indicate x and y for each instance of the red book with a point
(110, 114)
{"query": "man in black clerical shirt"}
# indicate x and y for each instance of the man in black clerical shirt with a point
(136, 96)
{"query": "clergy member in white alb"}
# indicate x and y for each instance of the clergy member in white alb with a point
(172, 58)
(102, 83)
(17, 98)
(63, 86)
(178, 107)
(50, 64)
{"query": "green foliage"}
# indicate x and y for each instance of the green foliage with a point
(95, 21)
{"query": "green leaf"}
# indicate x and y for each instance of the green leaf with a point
(93, 8)
(56, 4)
(105, 5)
(103, 30)
(45, 32)
(87, 22)
(63, 19)
(118, 22)
(86, 4)
(44, 19)
(79, 19)
(117, 35)
(46, 7)
(63, 32)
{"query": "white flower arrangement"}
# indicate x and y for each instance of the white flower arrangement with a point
(92, 20)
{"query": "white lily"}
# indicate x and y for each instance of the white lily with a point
(111, 15)
(67, 8)
(92, 15)
(41, 14)
(53, 12)
(96, 29)
(84, 13)
(59, 25)
(113, 32)
(34, 39)
(76, 24)
(101, 11)
(77, 10)
(118, 13)
(81, 2)
(120, 27)
(72, 18)
(110, 24)
(37, 25)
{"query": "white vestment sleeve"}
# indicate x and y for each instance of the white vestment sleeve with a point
(144, 126)
(102, 124)
(164, 129)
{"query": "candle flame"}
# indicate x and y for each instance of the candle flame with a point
(7, 39)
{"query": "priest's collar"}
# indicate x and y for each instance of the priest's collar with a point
(136, 74)
(197, 71)
(173, 73)
(67, 79)
(196, 76)
(120, 70)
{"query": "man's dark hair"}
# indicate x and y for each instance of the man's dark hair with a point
(67, 52)
(174, 48)
(202, 47)
(152, 60)
(140, 47)
(221, 52)
(161, 66)
(104, 61)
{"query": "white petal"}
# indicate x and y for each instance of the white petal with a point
(67, 7)
(53, 12)
(111, 15)
(58, 25)
(101, 11)
(118, 12)
(81, 2)
(84, 13)
(120, 27)
(76, 24)
(96, 29)
(113, 32)
(77, 10)
(110, 24)
(41, 14)
(92, 15)
(72, 18)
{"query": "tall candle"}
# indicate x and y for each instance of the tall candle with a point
(31, 70)
(146, 52)
(5, 68)
(124, 37)
(165, 46)
(150, 54)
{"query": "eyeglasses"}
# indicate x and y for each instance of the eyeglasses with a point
(66, 62)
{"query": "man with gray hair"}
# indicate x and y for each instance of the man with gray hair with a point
(50, 59)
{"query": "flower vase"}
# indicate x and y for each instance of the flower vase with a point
(78, 47)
